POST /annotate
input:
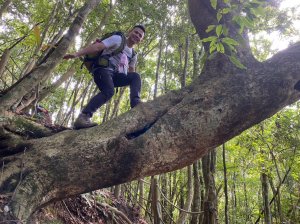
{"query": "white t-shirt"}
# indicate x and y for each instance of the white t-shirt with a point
(112, 43)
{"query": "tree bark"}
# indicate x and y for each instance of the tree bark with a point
(155, 137)
(4, 7)
(210, 201)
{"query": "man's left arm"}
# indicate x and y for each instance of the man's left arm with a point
(132, 64)
(131, 69)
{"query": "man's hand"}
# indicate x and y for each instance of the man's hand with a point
(70, 56)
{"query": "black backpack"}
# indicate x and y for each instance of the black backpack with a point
(98, 60)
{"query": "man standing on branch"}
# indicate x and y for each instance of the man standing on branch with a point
(112, 65)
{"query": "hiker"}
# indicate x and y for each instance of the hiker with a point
(111, 70)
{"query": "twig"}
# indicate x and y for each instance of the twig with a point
(69, 211)
(7, 221)
(180, 209)
(115, 210)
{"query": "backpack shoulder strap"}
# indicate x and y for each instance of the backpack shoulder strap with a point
(123, 41)
(132, 55)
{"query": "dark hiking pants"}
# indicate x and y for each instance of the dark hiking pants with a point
(106, 81)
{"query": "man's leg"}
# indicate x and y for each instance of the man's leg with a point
(132, 79)
(103, 80)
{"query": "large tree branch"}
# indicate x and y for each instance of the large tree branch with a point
(179, 128)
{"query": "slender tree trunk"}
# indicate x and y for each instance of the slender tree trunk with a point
(265, 195)
(202, 192)
(164, 203)
(106, 112)
(4, 7)
(233, 199)
(6, 55)
(196, 63)
(59, 116)
(247, 210)
(210, 201)
(31, 64)
(4, 60)
(225, 186)
(166, 70)
(155, 201)
(158, 62)
(277, 200)
(197, 194)
(117, 191)
(173, 188)
(189, 198)
(185, 66)
(141, 192)
(117, 102)
(98, 31)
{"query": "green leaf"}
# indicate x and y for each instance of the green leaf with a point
(236, 62)
(220, 48)
(225, 11)
(210, 39)
(229, 41)
(212, 47)
(259, 11)
(213, 3)
(219, 16)
(209, 28)
(219, 30)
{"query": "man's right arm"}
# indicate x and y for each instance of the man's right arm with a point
(91, 49)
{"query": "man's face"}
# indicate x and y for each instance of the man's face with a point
(136, 35)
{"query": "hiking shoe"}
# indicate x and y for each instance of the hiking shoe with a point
(83, 121)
